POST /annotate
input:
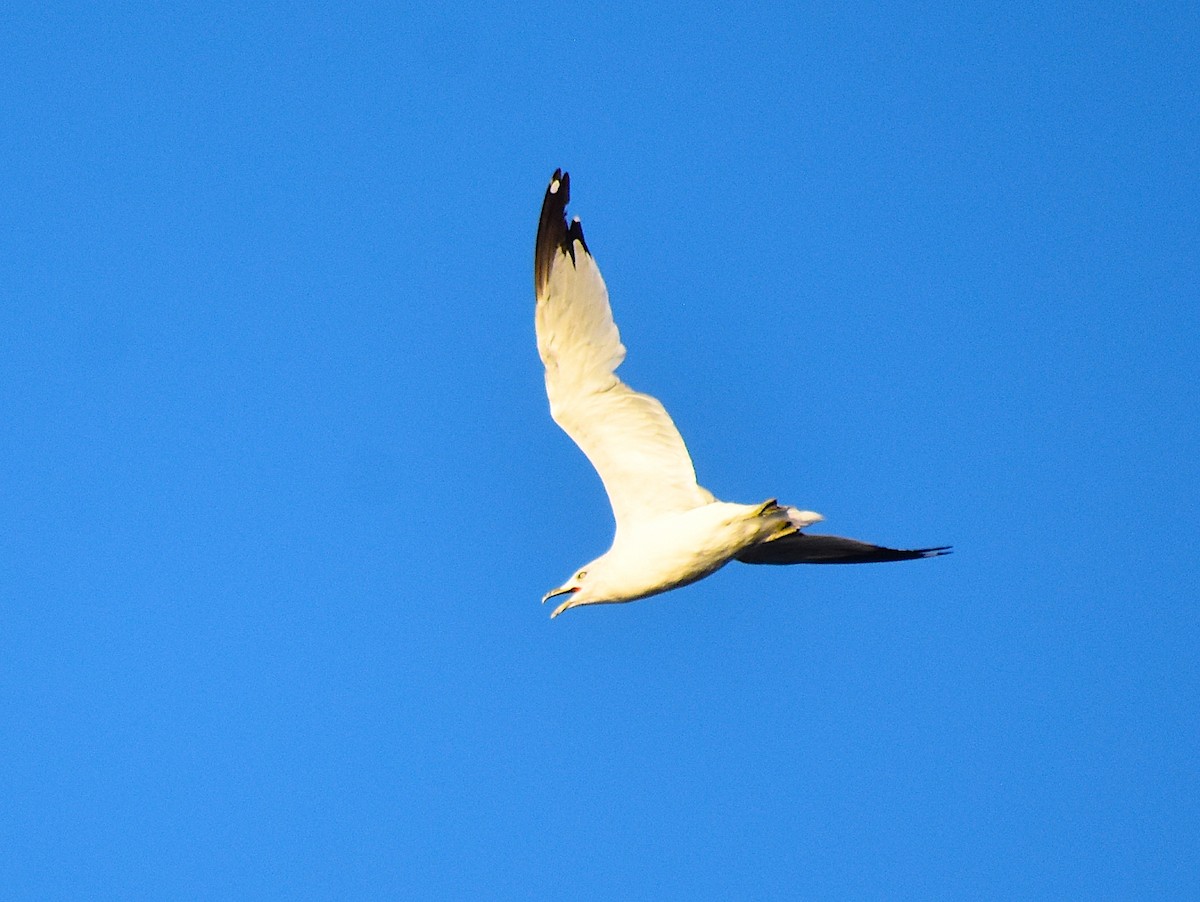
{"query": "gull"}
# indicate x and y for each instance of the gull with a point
(670, 531)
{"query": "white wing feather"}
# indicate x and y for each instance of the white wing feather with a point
(628, 436)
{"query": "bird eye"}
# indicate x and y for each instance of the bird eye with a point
(581, 574)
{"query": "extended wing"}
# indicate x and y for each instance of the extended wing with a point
(628, 436)
(802, 548)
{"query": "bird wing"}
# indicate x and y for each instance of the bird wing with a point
(628, 436)
(803, 548)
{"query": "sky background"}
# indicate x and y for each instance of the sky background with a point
(281, 492)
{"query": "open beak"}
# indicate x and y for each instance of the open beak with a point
(554, 593)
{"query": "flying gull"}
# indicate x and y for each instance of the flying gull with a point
(670, 530)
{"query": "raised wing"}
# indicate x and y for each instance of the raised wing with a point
(628, 436)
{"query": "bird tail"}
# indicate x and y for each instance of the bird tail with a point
(789, 519)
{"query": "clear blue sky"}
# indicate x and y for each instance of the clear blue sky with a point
(281, 493)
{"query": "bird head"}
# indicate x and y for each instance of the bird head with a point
(570, 588)
(579, 589)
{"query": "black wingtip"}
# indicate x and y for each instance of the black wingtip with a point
(817, 548)
(554, 233)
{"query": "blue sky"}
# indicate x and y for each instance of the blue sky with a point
(282, 492)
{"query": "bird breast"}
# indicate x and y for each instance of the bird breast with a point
(678, 548)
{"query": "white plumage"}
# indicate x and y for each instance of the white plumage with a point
(670, 530)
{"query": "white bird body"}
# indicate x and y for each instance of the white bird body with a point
(676, 548)
(670, 530)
